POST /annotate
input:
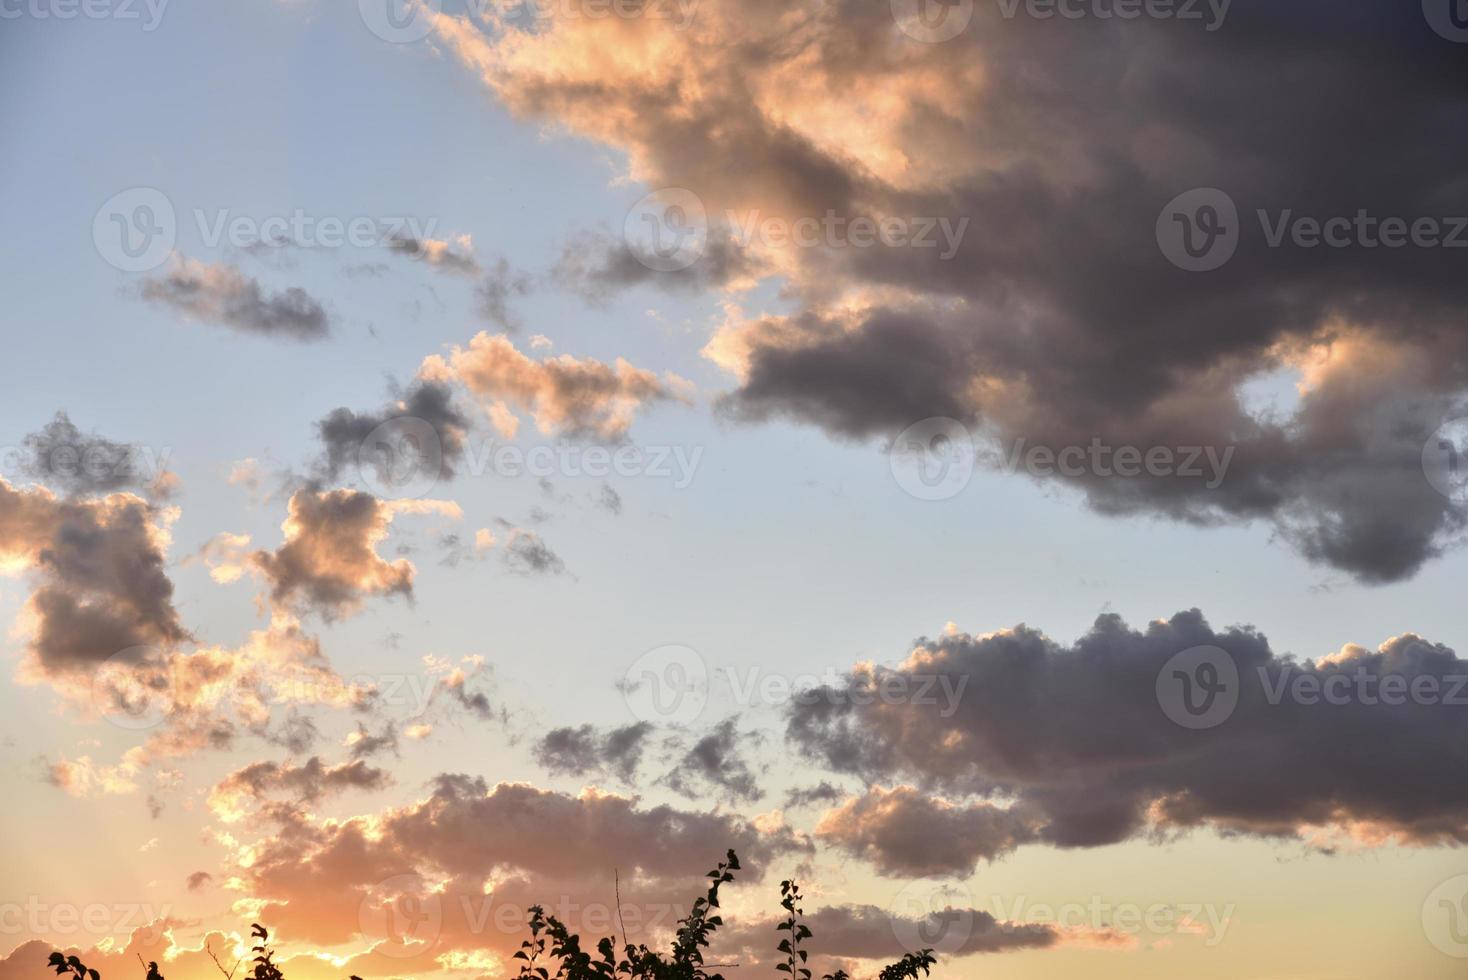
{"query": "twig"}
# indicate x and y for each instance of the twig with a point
(617, 883)
(220, 966)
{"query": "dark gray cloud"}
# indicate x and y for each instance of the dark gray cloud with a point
(63, 458)
(363, 744)
(421, 429)
(589, 750)
(1056, 317)
(822, 793)
(102, 589)
(715, 763)
(596, 266)
(1072, 745)
(198, 880)
(223, 295)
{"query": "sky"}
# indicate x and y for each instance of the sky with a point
(993, 462)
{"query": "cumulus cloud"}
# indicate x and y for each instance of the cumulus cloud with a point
(565, 395)
(1055, 317)
(101, 588)
(329, 563)
(421, 433)
(223, 295)
(1071, 746)
(314, 877)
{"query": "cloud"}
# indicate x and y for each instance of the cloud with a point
(222, 294)
(582, 398)
(308, 783)
(1071, 746)
(525, 553)
(1054, 317)
(865, 932)
(587, 749)
(493, 294)
(455, 257)
(421, 433)
(314, 877)
(909, 834)
(199, 880)
(329, 563)
(62, 458)
(101, 589)
(714, 762)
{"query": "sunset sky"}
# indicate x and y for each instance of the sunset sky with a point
(769, 371)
